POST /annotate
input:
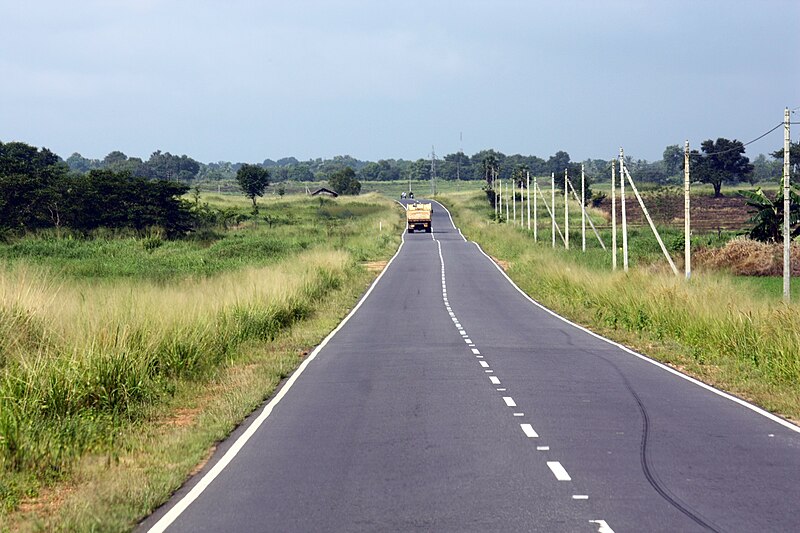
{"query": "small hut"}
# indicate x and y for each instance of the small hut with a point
(322, 191)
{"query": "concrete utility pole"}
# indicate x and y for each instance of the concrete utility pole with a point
(528, 186)
(496, 197)
(613, 215)
(433, 171)
(787, 263)
(687, 226)
(583, 210)
(514, 199)
(553, 203)
(508, 212)
(500, 190)
(566, 211)
(624, 217)
(535, 214)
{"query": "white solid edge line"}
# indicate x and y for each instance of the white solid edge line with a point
(743, 403)
(451, 220)
(559, 471)
(165, 521)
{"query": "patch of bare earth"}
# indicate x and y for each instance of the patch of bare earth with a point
(505, 265)
(45, 504)
(374, 266)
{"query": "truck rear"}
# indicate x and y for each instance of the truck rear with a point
(419, 217)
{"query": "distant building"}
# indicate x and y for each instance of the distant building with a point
(322, 191)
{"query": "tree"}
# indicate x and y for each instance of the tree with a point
(558, 162)
(794, 157)
(344, 182)
(31, 181)
(490, 164)
(721, 162)
(104, 198)
(166, 166)
(253, 180)
(300, 172)
(673, 159)
(765, 170)
(78, 163)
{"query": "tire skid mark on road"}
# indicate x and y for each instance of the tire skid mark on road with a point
(559, 472)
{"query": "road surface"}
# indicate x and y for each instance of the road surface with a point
(448, 401)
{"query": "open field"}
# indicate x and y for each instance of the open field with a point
(718, 327)
(122, 363)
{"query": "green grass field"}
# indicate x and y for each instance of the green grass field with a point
(122, 362)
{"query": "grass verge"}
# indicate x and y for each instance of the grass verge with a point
(712, 327)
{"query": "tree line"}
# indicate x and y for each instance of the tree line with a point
(706, 167)
(38, 190)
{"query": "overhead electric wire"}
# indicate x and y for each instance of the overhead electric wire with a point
(737, 148)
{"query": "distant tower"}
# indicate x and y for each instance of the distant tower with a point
(460, 151)
(433, 171)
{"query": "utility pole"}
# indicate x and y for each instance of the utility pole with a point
(553, 203)
(687, 226)
(460, 151)
(787, 264)
(566, 210)
(508, 212)
(500, 190)
(496, 198)
(624, 217)
(433, 171)
(514, 199)
(613, 215)
(583, 210)
(535, 214)
(528, 188)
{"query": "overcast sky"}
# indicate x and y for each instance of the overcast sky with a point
(244, 81)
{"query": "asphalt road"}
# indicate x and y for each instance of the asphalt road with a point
(448, 401)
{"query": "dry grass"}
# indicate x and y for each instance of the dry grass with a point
(746, 257)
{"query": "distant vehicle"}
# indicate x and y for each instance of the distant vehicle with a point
(411, 195)
(419, 217)
(403, 195)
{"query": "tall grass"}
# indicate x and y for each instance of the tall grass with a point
(95, 335)
(727, 335)
(79, 357)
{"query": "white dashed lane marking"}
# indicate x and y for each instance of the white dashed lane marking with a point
(602, 527)
(558, 471)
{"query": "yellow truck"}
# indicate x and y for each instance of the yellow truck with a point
(419, 217)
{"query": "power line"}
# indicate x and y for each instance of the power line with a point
(737, 148)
